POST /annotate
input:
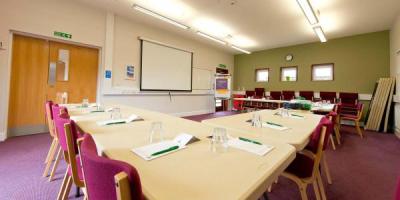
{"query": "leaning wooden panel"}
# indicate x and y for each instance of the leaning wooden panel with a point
(372, 115)
(378, 106)
(389, 104)
(383, 103)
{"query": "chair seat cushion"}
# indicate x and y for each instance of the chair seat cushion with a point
(302, 166)
(79, 168)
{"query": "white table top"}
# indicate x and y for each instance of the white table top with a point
(191, 173)
(298, 135)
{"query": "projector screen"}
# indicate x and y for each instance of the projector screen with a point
(165, 68)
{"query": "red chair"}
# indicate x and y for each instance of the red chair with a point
(355, 118)
(304, 170)
(68, 134)
(308, 95)
(238, 104)
(107, 179)
(348, 102)
(328, 96)
(259, 92)
(275, 95)
(288, 95)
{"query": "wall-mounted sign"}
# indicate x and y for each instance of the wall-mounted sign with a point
(62, 34)
(222, 66)
(108, 74)
(130, 72)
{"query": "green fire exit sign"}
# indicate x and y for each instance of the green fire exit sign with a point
(62, 34)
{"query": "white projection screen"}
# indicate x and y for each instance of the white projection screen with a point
(165, 68)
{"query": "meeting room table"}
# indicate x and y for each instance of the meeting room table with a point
(298, 126)
(194, 172)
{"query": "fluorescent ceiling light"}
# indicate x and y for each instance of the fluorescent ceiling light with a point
(211, 38)
(242, 50)
(320, 33)
(308, 11)
(156, 15)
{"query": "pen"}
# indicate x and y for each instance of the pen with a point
(270, 123)
(248, 140)
(165, 150)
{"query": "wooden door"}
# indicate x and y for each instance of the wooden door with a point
(30, 58)
(30, 88)
(82, 73)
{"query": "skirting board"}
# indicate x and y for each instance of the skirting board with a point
(2, 137)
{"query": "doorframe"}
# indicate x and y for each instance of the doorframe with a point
(5, 103)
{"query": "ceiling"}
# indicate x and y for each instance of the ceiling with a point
(260, 24)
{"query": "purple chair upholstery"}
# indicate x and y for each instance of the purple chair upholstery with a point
(276, 95)
(348, 99)
(302, 166)
(259, 92)
(397, 195)
(99, 173)
(308, 95)
(288, 95)
(328, 96)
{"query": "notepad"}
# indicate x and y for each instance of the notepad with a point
(258, 149)
(274, 126)
(119, 121)
(152, 151)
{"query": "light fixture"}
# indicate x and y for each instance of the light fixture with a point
(308, 11)
(156, 15)
(242, 50)
(211, 38)
(320, 33)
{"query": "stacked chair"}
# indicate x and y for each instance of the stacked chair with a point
(328, 96)
(288, 95)
(356, 118)
(274, 95)
(308, 95)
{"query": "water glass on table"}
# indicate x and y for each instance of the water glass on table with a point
(156, 132)
(85, 103)
(116, 113)
(256, 120)
(219, 140)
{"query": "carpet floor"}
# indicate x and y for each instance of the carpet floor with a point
(360, 168)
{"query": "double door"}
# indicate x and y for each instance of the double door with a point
(47, 70)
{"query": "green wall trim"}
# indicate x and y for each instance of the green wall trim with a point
(358, 63)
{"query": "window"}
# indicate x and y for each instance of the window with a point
(322, 72)
(262, 75)
(288, 73)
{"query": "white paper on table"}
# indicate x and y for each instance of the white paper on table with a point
(131, 118)
(182, 139)
(146, 151)
(281, 128)
(250, 147)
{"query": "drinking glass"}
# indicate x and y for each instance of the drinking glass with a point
(85, 103)
(156, 132)
(116, 113)
(219, 141)
(256, 120)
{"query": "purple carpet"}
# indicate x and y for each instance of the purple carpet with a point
(361, 168)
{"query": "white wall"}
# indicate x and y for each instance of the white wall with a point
(88, 26)
(395, 67)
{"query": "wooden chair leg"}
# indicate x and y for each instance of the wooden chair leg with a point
(67, 189)
(303, 192)
(55, 165)
(332, 142)
(321, 186)
(269, 188)
(316, 190)
(50, 149)
(51, 158)
(325, 168)
(337, 133)
(357, 123)
(63, 186)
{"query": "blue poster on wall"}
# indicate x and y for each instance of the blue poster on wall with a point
(108, 74)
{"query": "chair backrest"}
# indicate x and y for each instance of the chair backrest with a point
(99, 173)
(259, 92)
(313, 145)
(308, 95)
(360, 108)
(250, 93)
(348, 98)
(49, 118)
(328, 96)
(276, 95)
(70, 130)
(288, 95)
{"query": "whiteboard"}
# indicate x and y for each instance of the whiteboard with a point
(202, 79)
(165, 68)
